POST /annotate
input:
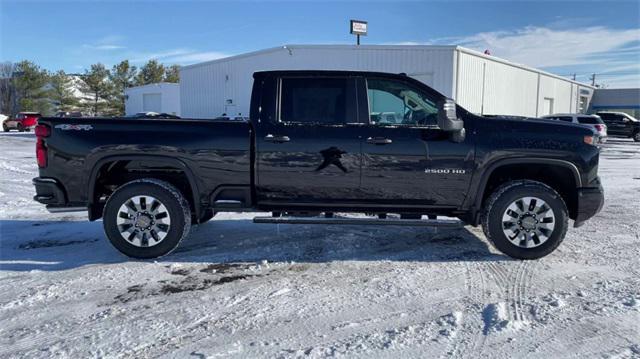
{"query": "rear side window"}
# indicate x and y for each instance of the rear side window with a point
(607, 117)
(561, 118)
(590, 120)
(315, 100)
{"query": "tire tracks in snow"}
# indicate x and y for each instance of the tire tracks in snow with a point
(472, 338)
(512, 283)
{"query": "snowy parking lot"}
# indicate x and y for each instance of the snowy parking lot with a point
(238, 289)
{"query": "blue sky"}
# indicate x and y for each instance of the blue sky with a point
(563, 37)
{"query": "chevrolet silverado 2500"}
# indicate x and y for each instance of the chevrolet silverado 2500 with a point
(318, 143)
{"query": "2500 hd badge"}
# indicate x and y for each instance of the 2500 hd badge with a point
(445, 171)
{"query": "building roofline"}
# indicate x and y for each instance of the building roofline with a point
(302, 46)
(384, 47)
(153, 84)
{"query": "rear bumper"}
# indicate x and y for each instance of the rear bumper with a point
(50, 192)
(590, 202)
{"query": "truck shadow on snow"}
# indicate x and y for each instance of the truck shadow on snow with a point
(27, 245)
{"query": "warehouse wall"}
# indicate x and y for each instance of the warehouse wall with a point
(490, 86)
(169, 98)
(224, 86)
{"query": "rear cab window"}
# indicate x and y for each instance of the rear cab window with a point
(321, 100)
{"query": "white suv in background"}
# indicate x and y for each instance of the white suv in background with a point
(593, 121)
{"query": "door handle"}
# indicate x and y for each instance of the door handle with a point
(379, 141)
(276, 139)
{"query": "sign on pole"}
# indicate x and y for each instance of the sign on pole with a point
(358, 28)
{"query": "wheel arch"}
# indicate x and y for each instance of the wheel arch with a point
(565, 185)
(95, 209)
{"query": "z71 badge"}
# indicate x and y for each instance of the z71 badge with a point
(67, 127)
(445, 171)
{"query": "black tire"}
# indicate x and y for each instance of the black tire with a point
(636, 136)
(177, 207)
(20, 128)
(5, 128)
(507, 194)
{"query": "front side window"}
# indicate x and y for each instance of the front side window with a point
(396, 103)
(314, 100)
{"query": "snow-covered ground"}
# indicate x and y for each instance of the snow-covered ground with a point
(240, 289)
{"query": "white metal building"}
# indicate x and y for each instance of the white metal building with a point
(159, 97)
(480, 83)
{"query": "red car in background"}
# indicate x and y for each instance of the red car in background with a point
(24, 121)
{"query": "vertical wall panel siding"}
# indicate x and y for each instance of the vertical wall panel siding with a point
(509, 89)
(482, 84)
(206, 87)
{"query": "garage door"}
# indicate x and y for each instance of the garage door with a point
(151, 102)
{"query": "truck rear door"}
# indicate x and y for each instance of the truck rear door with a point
(308, 146)
(407, 159)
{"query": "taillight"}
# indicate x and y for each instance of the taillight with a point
(41, 131)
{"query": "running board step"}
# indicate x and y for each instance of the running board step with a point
(451, 223)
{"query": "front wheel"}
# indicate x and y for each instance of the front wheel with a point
(20, 128)
(5, 128)
(525, 219)
(146, 218)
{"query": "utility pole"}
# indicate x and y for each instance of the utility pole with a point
(574, 76)
(593, 80)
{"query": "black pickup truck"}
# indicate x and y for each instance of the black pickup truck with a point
(319, 143)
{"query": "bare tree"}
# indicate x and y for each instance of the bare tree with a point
(8, 93)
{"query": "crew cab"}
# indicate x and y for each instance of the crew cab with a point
(320, 143)
(24, 121)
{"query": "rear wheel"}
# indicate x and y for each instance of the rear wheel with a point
(5, 128)
(636, 136)
(525, 219)
(146, 218)
(20, 128)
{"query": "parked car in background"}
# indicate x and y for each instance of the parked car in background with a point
(68, 114)
(620, 124)
(593, 121)
(24, 121)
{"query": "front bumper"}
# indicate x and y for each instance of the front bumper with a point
(590, 202)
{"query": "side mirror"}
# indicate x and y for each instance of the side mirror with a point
(448, 120)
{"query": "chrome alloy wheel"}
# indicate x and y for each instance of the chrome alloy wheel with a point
(143, 221)
(528, 222)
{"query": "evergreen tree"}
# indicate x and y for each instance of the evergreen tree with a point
(151, 72)
(29, 81)
(98, 89)
(172, 74)
(122, 76)
(61, 92)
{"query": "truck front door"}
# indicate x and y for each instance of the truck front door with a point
(407, 160)
(308, 150)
